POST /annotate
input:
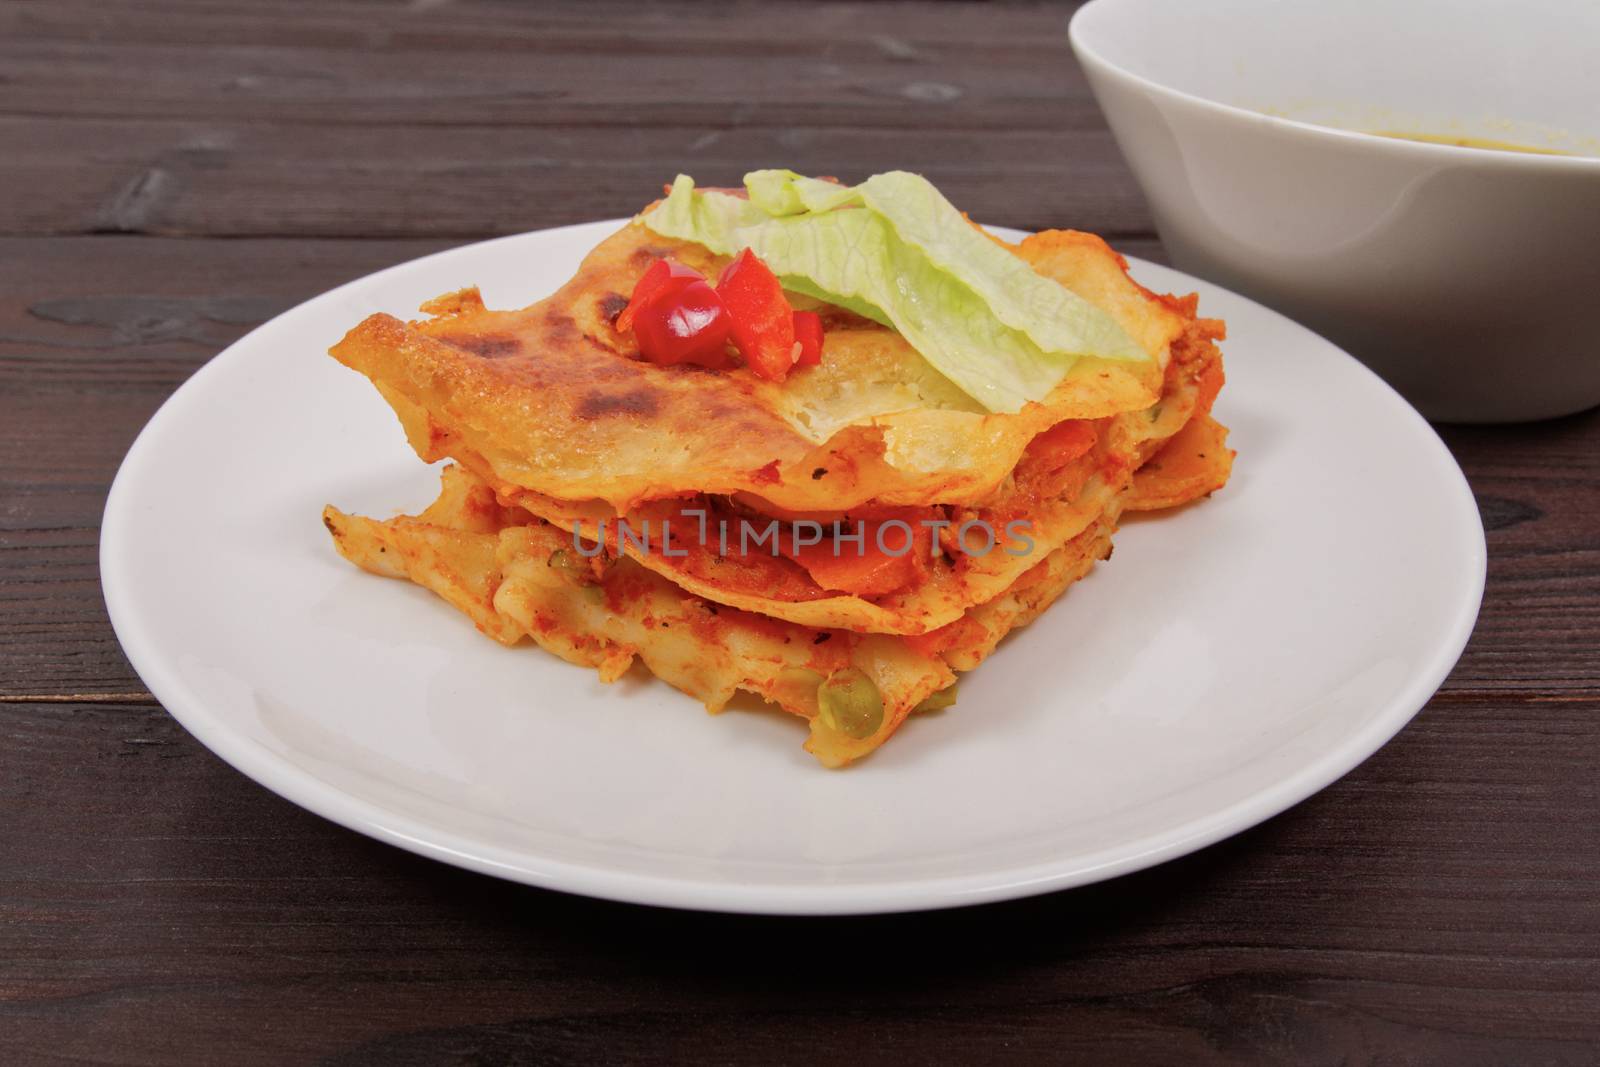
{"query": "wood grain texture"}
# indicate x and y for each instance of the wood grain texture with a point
(270, 179)
(620, 65)
(1409, 907)
(176, 173)
(462, 121)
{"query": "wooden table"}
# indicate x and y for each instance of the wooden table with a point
(173, 174)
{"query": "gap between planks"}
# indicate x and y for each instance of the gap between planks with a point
(79, 698)
(1446, 696)
(157, 233)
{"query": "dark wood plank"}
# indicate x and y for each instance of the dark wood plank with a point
(271, 178)
(118, 316)
(1439, 899)
(350, 120)
(1538, 489)
(631, 65)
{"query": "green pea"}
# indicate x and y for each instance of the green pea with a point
(573, 568)
(575, 571)
(944, 698)
(849, 703)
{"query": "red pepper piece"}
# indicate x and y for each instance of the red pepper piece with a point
(662, 279)
(808, 332)
(1064, 442)
(763, 321)
(684, 325)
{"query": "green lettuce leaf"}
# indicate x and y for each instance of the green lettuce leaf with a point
(896, 251)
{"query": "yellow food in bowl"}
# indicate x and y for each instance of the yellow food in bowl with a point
(1468, 142)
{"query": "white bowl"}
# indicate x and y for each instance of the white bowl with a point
(1464, 276)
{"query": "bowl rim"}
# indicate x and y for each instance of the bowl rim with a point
(1421, 151)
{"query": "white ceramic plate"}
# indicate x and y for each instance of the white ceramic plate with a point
(1231, 660)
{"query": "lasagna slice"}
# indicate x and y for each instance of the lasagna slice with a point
(566, 445)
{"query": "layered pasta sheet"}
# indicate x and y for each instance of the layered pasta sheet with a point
(572, 462)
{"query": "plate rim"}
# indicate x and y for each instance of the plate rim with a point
(285, 778)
